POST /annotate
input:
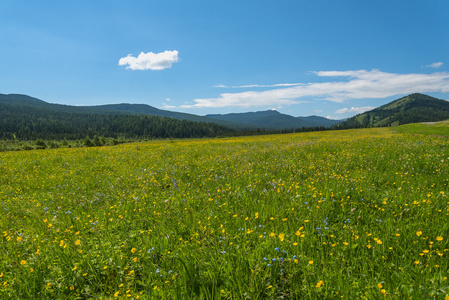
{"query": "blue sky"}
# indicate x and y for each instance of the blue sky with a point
(329, 58)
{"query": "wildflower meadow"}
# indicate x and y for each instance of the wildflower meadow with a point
(354, 214)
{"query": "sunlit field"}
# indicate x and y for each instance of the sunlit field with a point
(358, 214)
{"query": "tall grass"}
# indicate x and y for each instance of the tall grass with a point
(348, 214)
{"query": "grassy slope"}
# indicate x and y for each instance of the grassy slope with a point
(436, 128)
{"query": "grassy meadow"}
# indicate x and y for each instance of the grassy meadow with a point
(356, 214)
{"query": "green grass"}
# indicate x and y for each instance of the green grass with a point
(434, 128)
(357, 214)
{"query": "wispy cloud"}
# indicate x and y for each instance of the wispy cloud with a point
(257, 85)
(435, 65)
(354, 110)
(150, 60)
(221, 86)
(346, 85)
(265, 85)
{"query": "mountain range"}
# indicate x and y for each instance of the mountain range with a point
(25, 117)
(270, 120)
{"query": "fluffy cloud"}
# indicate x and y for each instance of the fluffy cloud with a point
(354, 110)
(358, 84)
(150, 60)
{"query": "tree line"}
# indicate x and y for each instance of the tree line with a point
(29, 124)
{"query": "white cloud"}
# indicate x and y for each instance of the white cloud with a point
(358, 84)
(435, 65)
(257, 85)
(150, 60)
(244, 99)
(354, 110)
(266, 85)
(168, 99)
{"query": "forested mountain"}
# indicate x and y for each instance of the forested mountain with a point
(320, 121)
(26, 118)
(144, 109)
(267, 120)
(123, 109)
(272, 119)
(409, 109)
(26, 102)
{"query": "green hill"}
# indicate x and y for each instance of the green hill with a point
(27, 118)
(413, 108)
